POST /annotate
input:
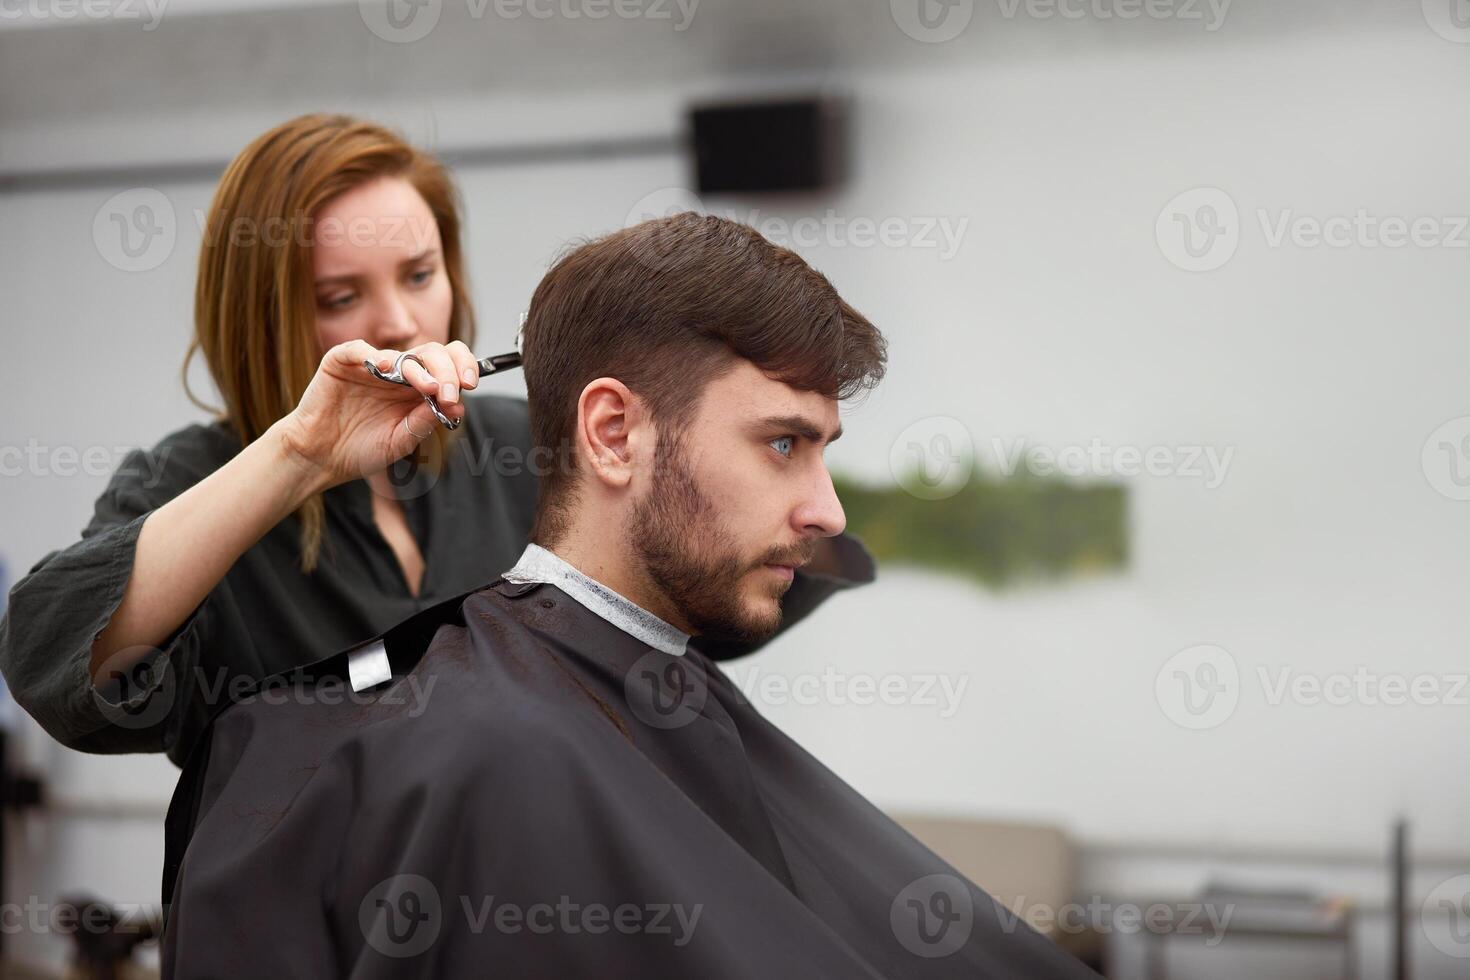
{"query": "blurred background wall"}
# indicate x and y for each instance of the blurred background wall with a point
(1306, 518)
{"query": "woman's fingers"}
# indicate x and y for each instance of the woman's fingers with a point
(420, 422)
(353, 353)
(465, 363)
(411, 430)
(438, 372)
(417, 375)
(444, 371)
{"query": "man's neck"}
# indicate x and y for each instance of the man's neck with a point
(538, 564)
(611, 567)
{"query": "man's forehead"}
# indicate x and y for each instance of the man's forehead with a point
(746, 395)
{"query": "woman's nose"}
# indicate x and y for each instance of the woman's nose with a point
(393, 325)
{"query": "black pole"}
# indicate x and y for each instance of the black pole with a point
(1398, 901)
(17, 792)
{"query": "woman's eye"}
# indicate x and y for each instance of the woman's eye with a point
(422, 276)
(789, 442)
(337, 302)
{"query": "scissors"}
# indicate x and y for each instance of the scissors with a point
(487, 366)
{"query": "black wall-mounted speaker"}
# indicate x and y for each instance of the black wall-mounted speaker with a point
(753, 147)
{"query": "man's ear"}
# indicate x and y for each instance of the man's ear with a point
(613, 433)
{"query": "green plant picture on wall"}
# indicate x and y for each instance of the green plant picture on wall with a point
(997, 531)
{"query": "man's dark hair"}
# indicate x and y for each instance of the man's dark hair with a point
(666, 307)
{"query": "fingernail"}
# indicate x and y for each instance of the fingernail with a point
(470, 377)
(449, 394)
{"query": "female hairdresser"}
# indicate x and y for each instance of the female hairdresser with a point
(323, 506)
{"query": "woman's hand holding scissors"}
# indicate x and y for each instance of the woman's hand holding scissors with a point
(349, 424)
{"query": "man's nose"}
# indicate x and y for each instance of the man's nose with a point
(821, 513)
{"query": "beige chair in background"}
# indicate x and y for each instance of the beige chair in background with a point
(1029, 868)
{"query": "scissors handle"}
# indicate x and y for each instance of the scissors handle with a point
(486, 365)
(500, 362)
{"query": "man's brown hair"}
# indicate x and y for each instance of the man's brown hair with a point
(666, 307)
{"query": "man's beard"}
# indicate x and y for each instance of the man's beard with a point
(689, 555)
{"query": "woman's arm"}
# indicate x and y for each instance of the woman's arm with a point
(347, 425)
(187, 545)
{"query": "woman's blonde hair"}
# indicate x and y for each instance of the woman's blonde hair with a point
(254, 302)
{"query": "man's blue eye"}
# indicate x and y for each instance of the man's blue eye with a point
(787, 439)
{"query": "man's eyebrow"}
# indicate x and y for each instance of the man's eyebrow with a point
(800, 426)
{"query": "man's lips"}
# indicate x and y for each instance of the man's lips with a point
(788, 572)
(786, 567)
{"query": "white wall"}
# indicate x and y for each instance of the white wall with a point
(1058, 320)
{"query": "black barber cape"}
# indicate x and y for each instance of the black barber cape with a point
(537, 793)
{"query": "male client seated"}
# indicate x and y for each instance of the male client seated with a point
(555, 779)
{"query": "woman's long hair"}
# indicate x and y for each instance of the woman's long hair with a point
(254, 304)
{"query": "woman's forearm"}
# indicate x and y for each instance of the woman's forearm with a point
(187, 545)
(347, 425)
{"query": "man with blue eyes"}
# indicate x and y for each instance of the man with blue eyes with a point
(551, 776)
